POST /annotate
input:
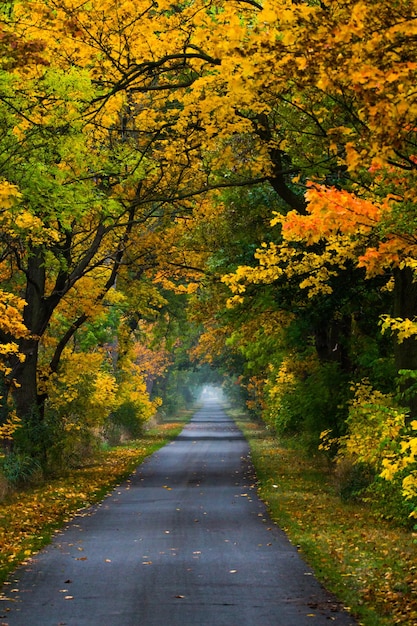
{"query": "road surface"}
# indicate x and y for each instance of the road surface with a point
(184, 542)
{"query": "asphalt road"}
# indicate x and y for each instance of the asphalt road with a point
(184, 542)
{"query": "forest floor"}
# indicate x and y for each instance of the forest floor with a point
(368, 562)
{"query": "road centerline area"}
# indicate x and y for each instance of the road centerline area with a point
(185, 541)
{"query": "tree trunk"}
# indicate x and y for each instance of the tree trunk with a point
(35, 317)
(25, 392)
(405, 307)
(332, 339)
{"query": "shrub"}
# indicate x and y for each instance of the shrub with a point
(352, 479)
(19, 469)
(305, 397)
(125, 420)
(377, 458)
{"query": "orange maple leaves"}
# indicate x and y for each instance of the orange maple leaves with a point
(363, 227)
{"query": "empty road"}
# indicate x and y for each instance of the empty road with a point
(184, 542)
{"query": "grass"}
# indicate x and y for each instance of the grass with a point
(29, 518)
(368, 563)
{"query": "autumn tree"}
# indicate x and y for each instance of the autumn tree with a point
(117, 115)
(337, 109)
(105, 145)
(90, 147)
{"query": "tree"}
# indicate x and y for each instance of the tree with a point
(91, 177)
(128, 124)
(338, 109)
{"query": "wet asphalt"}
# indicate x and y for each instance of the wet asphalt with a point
(184, 542)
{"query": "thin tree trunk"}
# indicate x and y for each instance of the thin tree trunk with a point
(35, 317)
(332, 339)
(405, 307)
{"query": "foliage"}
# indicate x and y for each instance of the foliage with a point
(8, 428)
(19, 469)
(125, 420)
(225, 183)
(374, 425)
(82, 391)
(79, 397)
(377, 445)
(305, 397)
(135, 362)
(11, 324)
(403, 465)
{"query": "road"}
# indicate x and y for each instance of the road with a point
(184, 542)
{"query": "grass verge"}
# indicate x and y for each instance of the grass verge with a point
(368, 563)
(29, 518)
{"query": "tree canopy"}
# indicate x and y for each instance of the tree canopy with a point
(225, 182)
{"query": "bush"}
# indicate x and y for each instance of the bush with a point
(353, 480)
(376, 459)
(20, 469)
(126, 421)
(48, 445)
(305, 397)
(386, 499)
